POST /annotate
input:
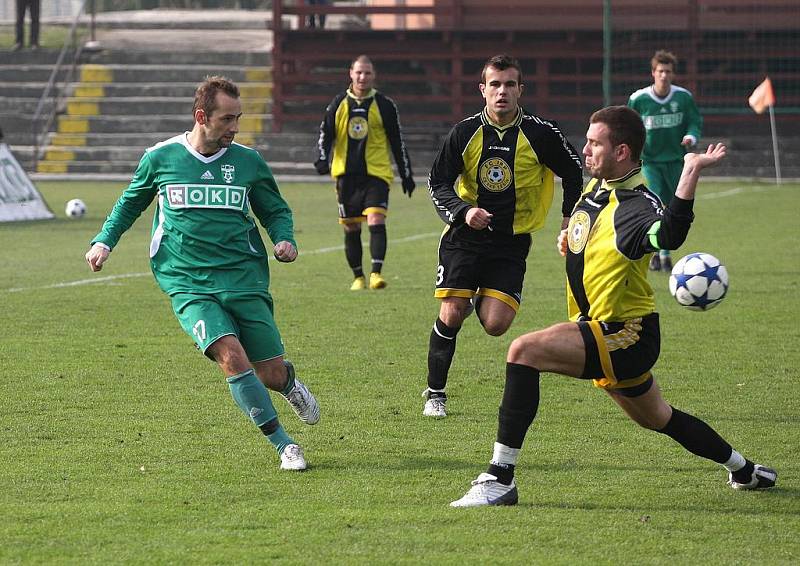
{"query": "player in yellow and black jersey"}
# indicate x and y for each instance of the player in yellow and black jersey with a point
(360, 129)
(613, 337)
(493, 184)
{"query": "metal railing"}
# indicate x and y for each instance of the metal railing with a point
(43, 117)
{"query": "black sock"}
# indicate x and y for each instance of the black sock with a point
(697, 437)
(441, 349)
(353, 252)
(519, 405)
(503, 472)
(377, 246)
(270, 426)
(744, 475)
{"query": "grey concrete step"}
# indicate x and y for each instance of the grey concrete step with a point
(28, 57)
(12, 123)
(22, 89)
(130, 73)
(118, 90)
(191, 57)
(138, 57)
(25, 105)
(171, 122)
(143, 105)
(28, 73)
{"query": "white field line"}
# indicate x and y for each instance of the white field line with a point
(737, 191)
(108, 278)
(702, 196)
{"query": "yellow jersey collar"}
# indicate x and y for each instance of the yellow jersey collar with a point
(630, 180)
(515, 122)
(350, 93)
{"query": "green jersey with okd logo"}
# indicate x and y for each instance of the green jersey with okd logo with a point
(204, 239)
(666, 120)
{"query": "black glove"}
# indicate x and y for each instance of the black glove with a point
(322, 167)
(409, 186)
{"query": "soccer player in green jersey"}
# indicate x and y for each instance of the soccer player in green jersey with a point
(673, 125)
(206, 253)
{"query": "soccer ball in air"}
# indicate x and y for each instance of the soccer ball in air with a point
(75, 208)
(699, 281)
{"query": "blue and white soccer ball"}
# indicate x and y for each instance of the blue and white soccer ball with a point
(75, 208)
(699, 281)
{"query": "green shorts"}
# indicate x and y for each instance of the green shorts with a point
(662, 178)
(248, 316)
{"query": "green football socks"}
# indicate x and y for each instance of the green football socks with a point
(253, 399)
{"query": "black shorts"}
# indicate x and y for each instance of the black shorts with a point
(482, 262)
(619, 355)
(359, 195)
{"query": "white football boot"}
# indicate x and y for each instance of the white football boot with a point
(486, 490)
(292, 458)
(762, 478)
(303, 403)
(434, 404)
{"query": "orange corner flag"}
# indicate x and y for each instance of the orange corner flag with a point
(763, 97)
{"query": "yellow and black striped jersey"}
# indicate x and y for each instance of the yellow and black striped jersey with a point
(506, 170)
(360, 133)
(614, 228)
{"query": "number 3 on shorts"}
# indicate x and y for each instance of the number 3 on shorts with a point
(439, 274)
(199, 330)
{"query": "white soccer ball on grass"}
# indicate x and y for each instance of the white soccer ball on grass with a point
(75, 208)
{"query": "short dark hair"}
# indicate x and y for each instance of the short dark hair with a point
(624, 126)
(663, 57)
(501, 63)
(205, 97)
(361, 59)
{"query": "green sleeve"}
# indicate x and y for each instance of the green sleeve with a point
(694, 122)
(269, 207)
(133, 201)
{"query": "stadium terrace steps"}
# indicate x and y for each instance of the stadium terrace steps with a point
(124, 100)
(207, 58)
(117, 98)
(39, 73)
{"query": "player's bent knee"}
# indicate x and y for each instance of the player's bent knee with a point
(453, 311)
(494, 328)
(273, 373)
(229, 355)
(522, 350)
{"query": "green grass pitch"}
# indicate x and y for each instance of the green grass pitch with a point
(120, 443)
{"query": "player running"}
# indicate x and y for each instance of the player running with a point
(207, 255)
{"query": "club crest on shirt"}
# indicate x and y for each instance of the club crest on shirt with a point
(495, 175)
(227, 172)
(578, 231)
(357, 128)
